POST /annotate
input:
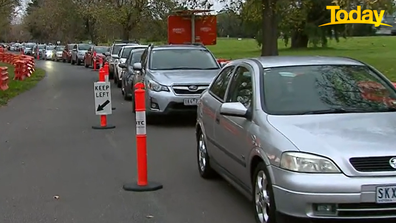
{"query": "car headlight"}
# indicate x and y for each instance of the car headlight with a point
(80, 54)
(307, 163)
(154, 86)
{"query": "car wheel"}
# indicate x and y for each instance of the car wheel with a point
(133, 104)
(78, 61)
(204, 168)
(263, 195)
(115, 80)
(125, 95)
(72, 61)
(119, 83)
(111, 73)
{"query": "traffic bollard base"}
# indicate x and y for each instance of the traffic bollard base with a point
(151, 186)
(104, 127)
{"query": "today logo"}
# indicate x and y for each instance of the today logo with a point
(345, 17)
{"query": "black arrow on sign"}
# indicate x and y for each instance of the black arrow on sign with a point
(102, 106)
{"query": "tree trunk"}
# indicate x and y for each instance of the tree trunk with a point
(269, 29)
(299, 40)
(125, 33)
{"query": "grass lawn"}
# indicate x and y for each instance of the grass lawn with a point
(17, 87)
(376, 51)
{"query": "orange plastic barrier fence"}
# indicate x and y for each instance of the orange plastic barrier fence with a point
(3, 78)
(24, 65)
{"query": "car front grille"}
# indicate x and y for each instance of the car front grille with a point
(189, 89)
(372, 164)
(366, 210)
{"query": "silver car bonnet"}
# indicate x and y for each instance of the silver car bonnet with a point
(172, 77)
(340, 136)
(82, 51)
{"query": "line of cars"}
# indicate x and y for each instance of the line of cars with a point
(304, 138)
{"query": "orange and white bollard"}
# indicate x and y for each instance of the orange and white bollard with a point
(142, 183)
(102, 101)
(100, 62)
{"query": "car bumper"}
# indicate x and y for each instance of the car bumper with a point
(299, 194)
(163, 103)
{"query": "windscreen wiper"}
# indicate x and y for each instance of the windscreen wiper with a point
(331, 111)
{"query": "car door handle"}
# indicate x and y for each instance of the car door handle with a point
(217, 120)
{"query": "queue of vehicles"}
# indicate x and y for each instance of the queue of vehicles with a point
(303, 138)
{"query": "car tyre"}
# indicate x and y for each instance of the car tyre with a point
(72, 61)
(124, 94)
(204, 168)
(263, 195)
(115, 80)
(133, 104)
(78, 62)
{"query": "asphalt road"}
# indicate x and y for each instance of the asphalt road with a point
(47, 149)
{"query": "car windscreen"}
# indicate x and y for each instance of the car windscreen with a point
(100, 49)
(325, 89)
(171, 59)
(29, 46)
(83, 46)
(60, 48)
(41, 47)
(136, 56)
(50, 47)
(117, 48)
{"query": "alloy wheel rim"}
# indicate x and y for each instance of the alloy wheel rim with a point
(262, 199)
(202, 153)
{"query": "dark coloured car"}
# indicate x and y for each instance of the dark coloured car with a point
(128, 72)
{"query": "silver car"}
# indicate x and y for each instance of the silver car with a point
(175, 76)
(78, 53)
(302, 137)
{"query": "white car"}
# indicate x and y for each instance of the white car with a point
(121, 58)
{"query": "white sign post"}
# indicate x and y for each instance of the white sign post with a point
(102, 98)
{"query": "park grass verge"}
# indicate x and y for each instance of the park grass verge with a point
(377, 51)
(18, 87)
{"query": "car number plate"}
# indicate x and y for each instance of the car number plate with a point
(190, 101)
(386, 194)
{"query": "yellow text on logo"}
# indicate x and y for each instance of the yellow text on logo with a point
(365, 17)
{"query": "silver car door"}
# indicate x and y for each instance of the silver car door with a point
(211, 104)
(232, 132)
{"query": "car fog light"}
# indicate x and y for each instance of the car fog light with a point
(325, 209)
(154, 105)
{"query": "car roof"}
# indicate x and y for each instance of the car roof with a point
(125, 44)
(135, 46)
(284, 61)
(102, 46)
(178, 46)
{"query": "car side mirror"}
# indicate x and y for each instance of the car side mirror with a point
(236, 109)
(107, 54)
(115, 57)
(74, 50)
(122, 65)
(137, 66)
